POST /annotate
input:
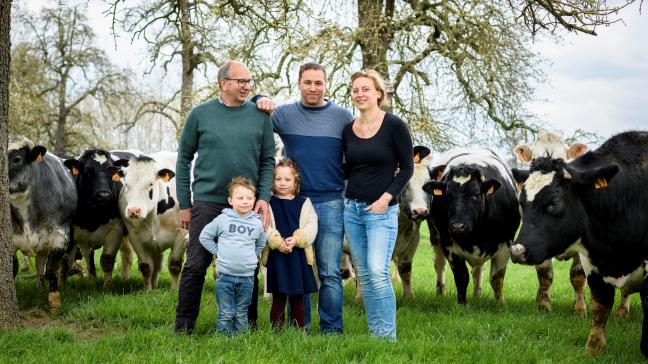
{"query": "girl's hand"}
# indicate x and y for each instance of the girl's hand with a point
(380, 205)
(285, 248)
(291, 242)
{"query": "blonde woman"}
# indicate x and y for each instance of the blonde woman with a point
(376, 145)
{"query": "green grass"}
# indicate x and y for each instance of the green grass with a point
(126, 325)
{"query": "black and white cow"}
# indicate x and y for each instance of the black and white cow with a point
(97, 222)
(43, 201)
(552, 144)
(595, 205)
(476, 213)
(149, 208)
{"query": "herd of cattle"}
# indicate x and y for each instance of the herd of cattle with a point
(571, 203)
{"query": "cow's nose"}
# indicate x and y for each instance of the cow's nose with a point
(458, 227)
(419, 212)
(102, 196)
(518, 253)
(133, 211)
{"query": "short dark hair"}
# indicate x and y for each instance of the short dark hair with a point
(310, 66)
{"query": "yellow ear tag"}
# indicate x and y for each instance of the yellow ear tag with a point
(520, 186)
(75, 171)
(116, 177)
(437, 192)
(491, 190)
(40, 158)
(600, 183)
(438, 176)
(417, 158)
(166, 178)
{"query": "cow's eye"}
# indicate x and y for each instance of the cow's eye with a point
(554, 207)
(16, 160)
(474, 198)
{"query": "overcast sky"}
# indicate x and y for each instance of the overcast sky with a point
(596, 83)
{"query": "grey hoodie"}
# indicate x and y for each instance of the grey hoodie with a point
(236, 241)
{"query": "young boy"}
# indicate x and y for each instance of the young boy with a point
(241, 238)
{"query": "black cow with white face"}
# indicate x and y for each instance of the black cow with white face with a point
(43, 201)
(97, 222)
(596, 205)
(476, 213)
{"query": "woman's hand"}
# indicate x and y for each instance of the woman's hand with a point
(380, 205)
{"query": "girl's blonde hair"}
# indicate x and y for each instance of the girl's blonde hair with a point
(293, 167)
(378, 82)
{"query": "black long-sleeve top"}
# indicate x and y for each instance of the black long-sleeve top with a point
(371, 163)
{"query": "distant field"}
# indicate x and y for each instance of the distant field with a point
(127, 325)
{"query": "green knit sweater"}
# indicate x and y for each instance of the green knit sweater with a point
(229, 142)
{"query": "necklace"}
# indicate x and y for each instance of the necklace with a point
(367, 130)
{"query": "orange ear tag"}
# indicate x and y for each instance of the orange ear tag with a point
(166, 178)
(417, 158)
(520, 186)
(40, 158)
(437, 192)
(75, 171)
(600, 183)
(491, 190)
(116, 177)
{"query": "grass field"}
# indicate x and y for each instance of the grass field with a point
(127, 325)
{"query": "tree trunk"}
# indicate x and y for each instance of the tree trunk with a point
(375, 35)
(186, 89)
(60, 137)
(9, 315)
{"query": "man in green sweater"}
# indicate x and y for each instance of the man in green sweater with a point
(227, 137)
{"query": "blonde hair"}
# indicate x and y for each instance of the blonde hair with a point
(240, 182)
(293, 167)
(378, 82)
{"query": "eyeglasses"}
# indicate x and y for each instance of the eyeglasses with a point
(242, 82)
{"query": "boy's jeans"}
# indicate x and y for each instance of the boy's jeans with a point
(233, 295)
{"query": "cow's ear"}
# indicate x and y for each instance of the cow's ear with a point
(37, 154)
(437, 172)
(115, 173)
(576, 150)
(420, 152)
(593, 178)
(120, 163)
(166, 174)
(489, 186)
(520, 176)
(73, 165)
(524, 153)
(436, 188)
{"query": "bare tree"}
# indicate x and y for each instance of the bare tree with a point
(9, 315)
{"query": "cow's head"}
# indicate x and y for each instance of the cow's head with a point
(553, 215)
(549, 144)
(22, 156)
(414, 201)
(95, 175)
(462, 192)
(144, 188)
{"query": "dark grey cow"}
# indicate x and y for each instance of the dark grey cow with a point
(43, 202)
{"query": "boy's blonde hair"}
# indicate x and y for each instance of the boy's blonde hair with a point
(293, 167)
(378, 82)
(240, 182)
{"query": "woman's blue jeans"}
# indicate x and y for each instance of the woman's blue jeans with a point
(371, 239)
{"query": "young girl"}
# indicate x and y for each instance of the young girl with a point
(289, 252)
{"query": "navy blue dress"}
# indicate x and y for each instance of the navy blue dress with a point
(289, 273)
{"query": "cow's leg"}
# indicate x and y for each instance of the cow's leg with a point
(264, 276)
(107, 262)
(498, 270)
(440, 264)
(86, 252)
(146, 268)
(545, 279)
(126, 254)
(624, 305)
(157, 268)
(460, 272)
(52, 274)
(477, 272)
(175, 260)
(643, 345)
(602, 301)
(578, 281)
(405, 272)
(24, 264)
(41, 260)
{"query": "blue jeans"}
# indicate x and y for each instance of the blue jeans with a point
(328, 254)
(371, 239)
(233, 295)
